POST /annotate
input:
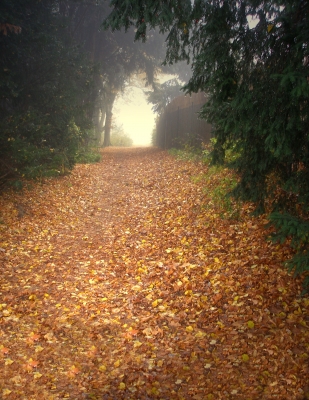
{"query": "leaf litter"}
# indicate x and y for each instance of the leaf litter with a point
(121, 281)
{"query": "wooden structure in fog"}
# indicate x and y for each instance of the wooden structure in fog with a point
(180, 125)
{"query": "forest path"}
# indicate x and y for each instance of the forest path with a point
(121, 281)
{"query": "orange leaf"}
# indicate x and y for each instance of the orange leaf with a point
(31, 364)
(4, 350)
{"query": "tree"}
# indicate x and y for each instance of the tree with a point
(163, 94)
(119, 137)
(59, 76)
(115, 55)
(43, 76)
(129, 58)
(256, 76)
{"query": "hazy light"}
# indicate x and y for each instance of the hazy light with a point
(135, 115)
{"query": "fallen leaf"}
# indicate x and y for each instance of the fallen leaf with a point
(250, 324)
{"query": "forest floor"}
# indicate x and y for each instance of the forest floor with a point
(122, 281)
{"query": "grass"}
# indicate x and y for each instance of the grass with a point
(219, 182)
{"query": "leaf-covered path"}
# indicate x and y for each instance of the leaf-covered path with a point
(120, 281)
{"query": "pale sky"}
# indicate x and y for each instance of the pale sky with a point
(135, 115)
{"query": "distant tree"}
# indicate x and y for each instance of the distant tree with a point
(163, 94)
(119, 138)
(115, 56)
(154, 135)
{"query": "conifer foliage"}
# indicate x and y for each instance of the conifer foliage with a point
(44, 92)
(252, 58)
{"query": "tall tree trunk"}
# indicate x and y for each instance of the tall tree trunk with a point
(101, 125)
(107, 130)
(98, 120)
(108, 119)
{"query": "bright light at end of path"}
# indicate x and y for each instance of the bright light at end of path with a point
(133, 112)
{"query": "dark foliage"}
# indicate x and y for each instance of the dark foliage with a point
(251, 57)
(44, 87)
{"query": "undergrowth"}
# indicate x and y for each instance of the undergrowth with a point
(188, 153)
(218, 180)
(88, 156)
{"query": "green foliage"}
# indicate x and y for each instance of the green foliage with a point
(163, 94)
(154, 136)
(188, 153)
(121, 139)
(256, 78)
(59, 76)
(229, 153)
(44, 84)
(88, 156)
(221, 197)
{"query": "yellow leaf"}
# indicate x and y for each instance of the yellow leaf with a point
(6, 392)
(154, 390)
(37, 375)
(217, 260)
(245, 357)
(8, 361)
(155, 303)
(117, 363)
(250, 324)
(147, 331)
(189, 328)
(137, 343)
(270, 27)
(102, 368)
(200, 334)
(122, 385)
